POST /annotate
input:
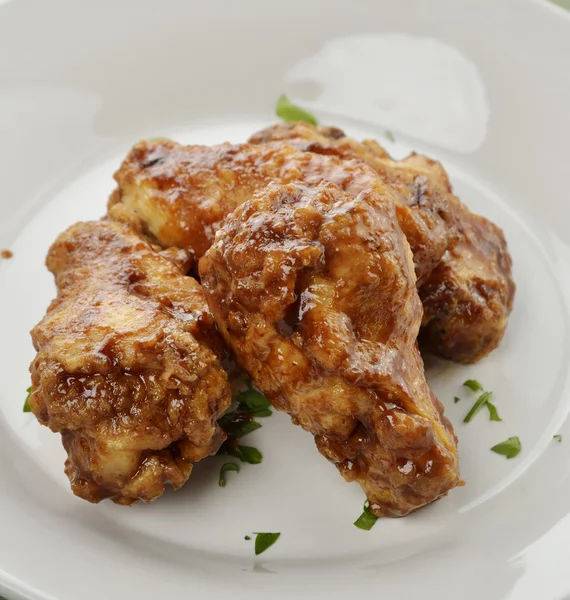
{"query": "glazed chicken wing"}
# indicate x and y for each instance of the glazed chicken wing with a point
(183, 194)
(314, 291)
(127, 368)
(468, 296)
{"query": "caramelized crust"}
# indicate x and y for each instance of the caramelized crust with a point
(469, 294)
(419, 190)
(468, 297)
(127, 368)
(319, 243)
(183, 194)
(314, 291)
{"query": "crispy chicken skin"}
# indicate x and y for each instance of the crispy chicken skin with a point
(469, 295)
(127, 368)
(314, 291)
(183, 194)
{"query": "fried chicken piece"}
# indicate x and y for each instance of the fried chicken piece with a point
(182, 194)
(469, 295)
(314, 291)
(127, 368)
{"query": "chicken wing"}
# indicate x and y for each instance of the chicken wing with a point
(314, 291)
(183, 194)
(127, 368)
(469, 295)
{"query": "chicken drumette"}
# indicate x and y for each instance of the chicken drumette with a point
(314, 291)
(128, 367)
(468, 295)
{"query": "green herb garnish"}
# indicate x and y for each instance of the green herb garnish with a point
(366, 520)
(249, 455)
(261, 412)
(456, 399)
(247, 538)
(236, 427)
(481, 401)
(264, 541)
(27, 407)
(225, 468)
(389, 135)
(474, 385)
(510, 448)
(557, 437)
(246, 454)
(253, 402)
(241, 422)
(289, 112)
(493, 414)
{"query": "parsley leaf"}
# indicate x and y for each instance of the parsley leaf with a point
(253, 402)
(481, 401)
(557, 437)
(247, 538)
(493, 414)
(264, 541)
(262, 412)
(366, 520)
(225, 468)
(246, 454)
(289, 112)
(509, 448)
(249, 455)
(473, 384)
(456, 399)
(27, 407)
(240, 422)
(236, 427)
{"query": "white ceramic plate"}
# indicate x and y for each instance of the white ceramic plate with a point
(485, 87)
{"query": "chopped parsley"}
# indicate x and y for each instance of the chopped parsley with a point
(253, 402)
(473, 385)
(225, 468)
(366, 520)
(261, 412)
(493, 414)
(289, 112)
(389, 135)
(263, 541)
(456, 399)
(241, 422)
(481, 401)
(246, 454)
(509, 448)
(27, 407)
(247, 538)
(557, 437)
(237, 425)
